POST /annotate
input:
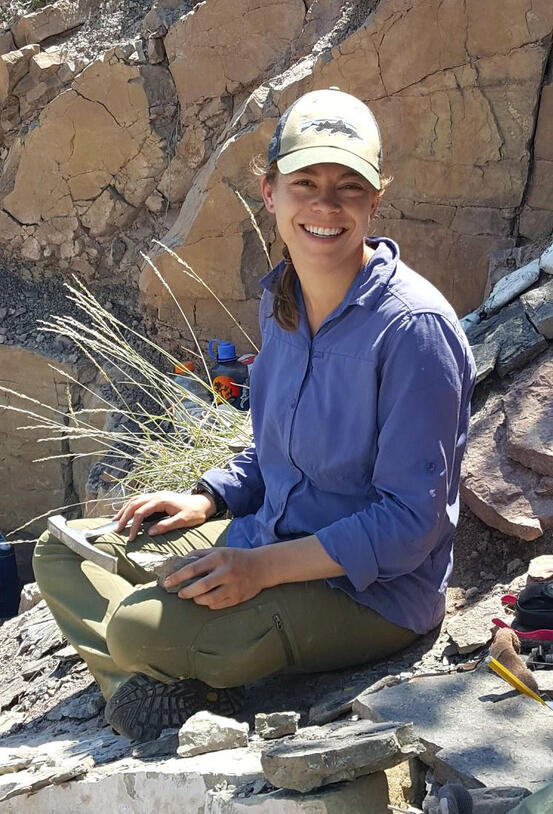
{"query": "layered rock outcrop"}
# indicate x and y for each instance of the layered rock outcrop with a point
(507, 473)
(104, 148)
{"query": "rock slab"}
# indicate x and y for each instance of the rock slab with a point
(519, 342)
(276, 724)
(501, 491)
(473, 628)
(338, 751)
(206, 732)
(477, 731)
(538, 305)
(529, 412)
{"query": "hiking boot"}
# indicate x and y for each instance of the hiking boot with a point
(142, 707)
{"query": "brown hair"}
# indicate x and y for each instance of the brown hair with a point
(285, 306)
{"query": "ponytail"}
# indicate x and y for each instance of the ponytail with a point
(285, 306)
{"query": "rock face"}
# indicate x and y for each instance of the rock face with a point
(25, 485)
(233, 68)
(151, 137)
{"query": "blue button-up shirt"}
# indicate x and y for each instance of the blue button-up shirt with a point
(359, 433)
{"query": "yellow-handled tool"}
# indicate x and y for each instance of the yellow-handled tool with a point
(515, 682)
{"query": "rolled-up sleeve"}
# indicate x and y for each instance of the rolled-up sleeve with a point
(426, 380)
(241, 484)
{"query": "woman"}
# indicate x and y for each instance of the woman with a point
(339, 549)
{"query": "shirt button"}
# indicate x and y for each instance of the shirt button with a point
(293, 403)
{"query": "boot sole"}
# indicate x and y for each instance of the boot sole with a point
(142, 708)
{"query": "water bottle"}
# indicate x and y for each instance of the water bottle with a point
(189, 385)
(10, 587)
(229, 377)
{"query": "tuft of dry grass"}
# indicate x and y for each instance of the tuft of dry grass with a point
(147, 444)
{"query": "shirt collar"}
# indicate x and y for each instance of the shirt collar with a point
(372, 278)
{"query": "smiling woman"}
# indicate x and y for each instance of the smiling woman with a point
(343, 509)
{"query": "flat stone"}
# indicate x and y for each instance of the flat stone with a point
(538, 305)
(276, 724)
(342, 750)
(477, 731)
(485, 356)
(473, 628)
(206, 732)
(500, 491)
(529, 411)
(519, 342)
(511, 286)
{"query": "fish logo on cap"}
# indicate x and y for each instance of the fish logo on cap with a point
(334, 126)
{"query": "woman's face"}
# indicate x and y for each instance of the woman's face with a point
(322, 212)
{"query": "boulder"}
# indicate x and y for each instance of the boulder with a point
(13, 67)
(52, 19)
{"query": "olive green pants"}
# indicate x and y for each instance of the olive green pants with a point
(123, 623)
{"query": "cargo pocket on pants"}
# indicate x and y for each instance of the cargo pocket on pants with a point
(241, 647)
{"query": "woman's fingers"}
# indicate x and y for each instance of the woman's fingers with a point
(138, 516)
(197, 568)
(177, 521)
(127, 511)
(217, 598)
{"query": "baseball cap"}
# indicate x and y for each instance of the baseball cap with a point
(328, 127)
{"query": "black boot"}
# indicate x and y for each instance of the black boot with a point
(142, 707)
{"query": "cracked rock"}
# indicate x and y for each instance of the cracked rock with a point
(344, 750)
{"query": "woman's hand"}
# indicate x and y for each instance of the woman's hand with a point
(184, 511)
(223, 577)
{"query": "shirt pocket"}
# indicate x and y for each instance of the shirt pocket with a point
(334, 437)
